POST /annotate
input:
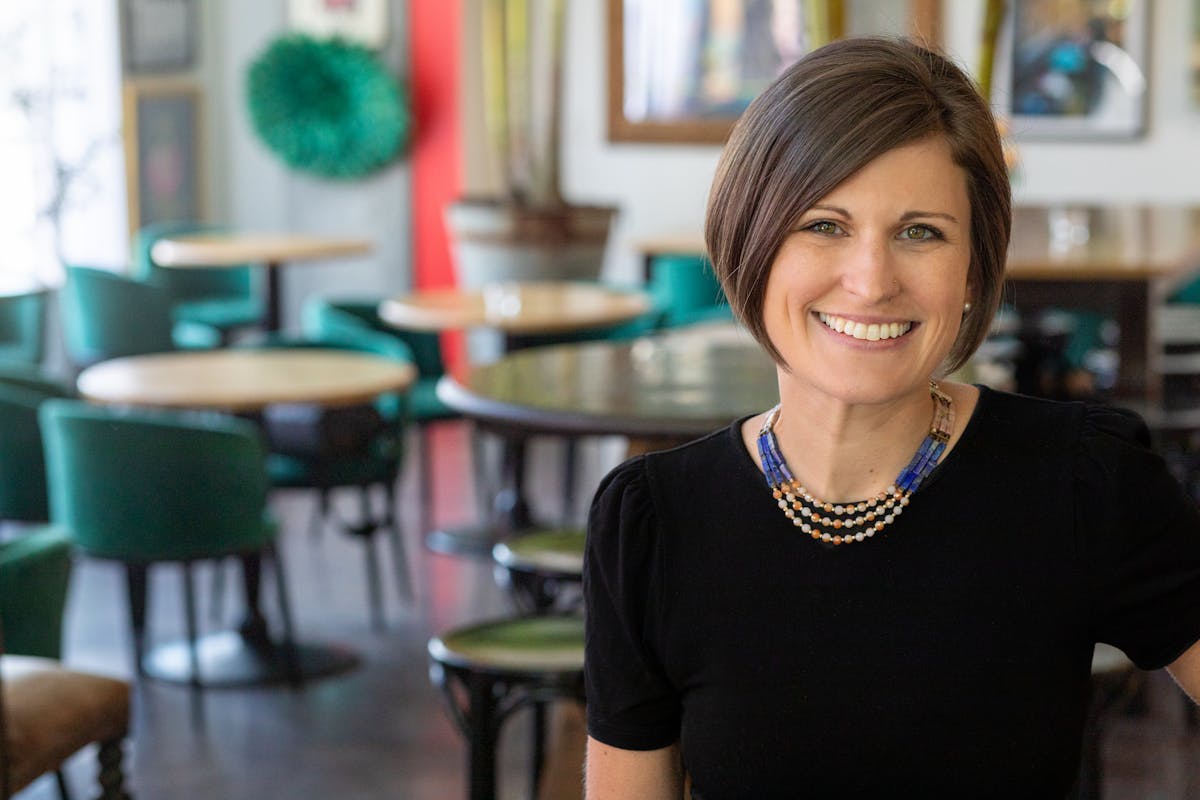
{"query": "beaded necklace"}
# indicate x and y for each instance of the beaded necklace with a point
(836, 522)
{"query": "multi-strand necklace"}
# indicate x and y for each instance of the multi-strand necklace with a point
(843, 523)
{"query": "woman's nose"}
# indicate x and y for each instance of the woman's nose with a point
(869, 271)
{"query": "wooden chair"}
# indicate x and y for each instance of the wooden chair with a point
(48, 713)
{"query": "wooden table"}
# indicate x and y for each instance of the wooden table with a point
(224, 250)
(244, 381)
(1130, 259)
(517, 310)
(522, 312)
(659, 391)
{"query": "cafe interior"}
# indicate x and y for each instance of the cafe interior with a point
(321, 323)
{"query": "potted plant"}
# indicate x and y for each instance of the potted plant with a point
(527, 231)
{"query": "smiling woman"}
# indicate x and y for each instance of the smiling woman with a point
(859, 221)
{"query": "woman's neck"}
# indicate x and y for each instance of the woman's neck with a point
(848, 452)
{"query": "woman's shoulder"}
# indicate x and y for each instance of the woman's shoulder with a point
(643, 483)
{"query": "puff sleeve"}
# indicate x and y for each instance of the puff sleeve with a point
(630, 702)
(1140, 541)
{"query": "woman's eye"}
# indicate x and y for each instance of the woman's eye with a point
(920, 233)
(824, 227)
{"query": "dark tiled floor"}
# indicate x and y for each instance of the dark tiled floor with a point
(380, 731)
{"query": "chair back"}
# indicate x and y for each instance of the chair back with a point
(22, 327)
(141, 486)
(22, 463)
(185, 284)
(35, 571)
(345, 320)
(106, 315)
(684, 286)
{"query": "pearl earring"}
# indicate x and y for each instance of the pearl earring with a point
(966, 307)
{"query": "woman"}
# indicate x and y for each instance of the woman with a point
(887, 582)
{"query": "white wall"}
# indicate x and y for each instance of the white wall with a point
(662, 188)
(251, 189)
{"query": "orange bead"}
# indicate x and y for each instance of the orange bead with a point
(837, 540)
(837, 523)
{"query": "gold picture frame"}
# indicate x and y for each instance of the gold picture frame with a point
(161, 126)
(923, 22)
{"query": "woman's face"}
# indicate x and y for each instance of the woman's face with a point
(865, 296)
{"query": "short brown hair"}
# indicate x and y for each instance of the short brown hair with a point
(826, 117)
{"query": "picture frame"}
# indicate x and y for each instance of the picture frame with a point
(1073, 70)
(1196, 54)
(666, 82)
(161, 131)
(361, 21)
(158, 35)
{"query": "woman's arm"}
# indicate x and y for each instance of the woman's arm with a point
(615, 774)
(1186, 671)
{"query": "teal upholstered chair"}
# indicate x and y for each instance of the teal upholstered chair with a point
(345, 321)
(357, 447)
(35, 570)
(144, 487)
(105, 315)
(22, 327)
(686, 290)
(22, 466)
(225, 298)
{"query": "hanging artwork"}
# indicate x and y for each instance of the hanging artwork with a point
(364, 22)
(1074, 69)
(684, 70)
(158, 35)
(161, 129)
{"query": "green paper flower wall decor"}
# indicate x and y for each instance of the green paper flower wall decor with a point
(326, 106)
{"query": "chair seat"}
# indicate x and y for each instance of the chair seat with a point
(188, 335)
(423, 402)
(52, 712)
(222, 313)
(296, 473)
(518, 645)
(556, 553)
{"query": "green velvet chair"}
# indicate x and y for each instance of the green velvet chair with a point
(22, 327)
(225, 298)
(35, 570)
(345, 321)
(355, 447)
(22, 465)
(106, 315)
(147, 487)
(686, 290)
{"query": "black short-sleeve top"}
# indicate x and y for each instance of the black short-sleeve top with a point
(951, 653)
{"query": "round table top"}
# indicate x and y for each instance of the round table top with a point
(229, 249)
(530, 307)
(244, 380)
(672, 386)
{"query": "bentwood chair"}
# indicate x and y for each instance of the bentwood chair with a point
(358, 447)
(345, 321)
(105, 315)
(48, 713)
(22, 327)
(147, 487)
(224, 298)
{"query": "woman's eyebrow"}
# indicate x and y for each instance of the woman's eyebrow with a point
(910, 215)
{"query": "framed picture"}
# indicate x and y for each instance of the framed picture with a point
(362, 21)
(158, 35)
(1196, 53)
(1073, 69)
(684, 70)
(161, 129)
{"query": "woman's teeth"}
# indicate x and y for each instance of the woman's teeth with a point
(860, 330)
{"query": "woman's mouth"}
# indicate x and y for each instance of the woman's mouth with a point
(867, 332)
